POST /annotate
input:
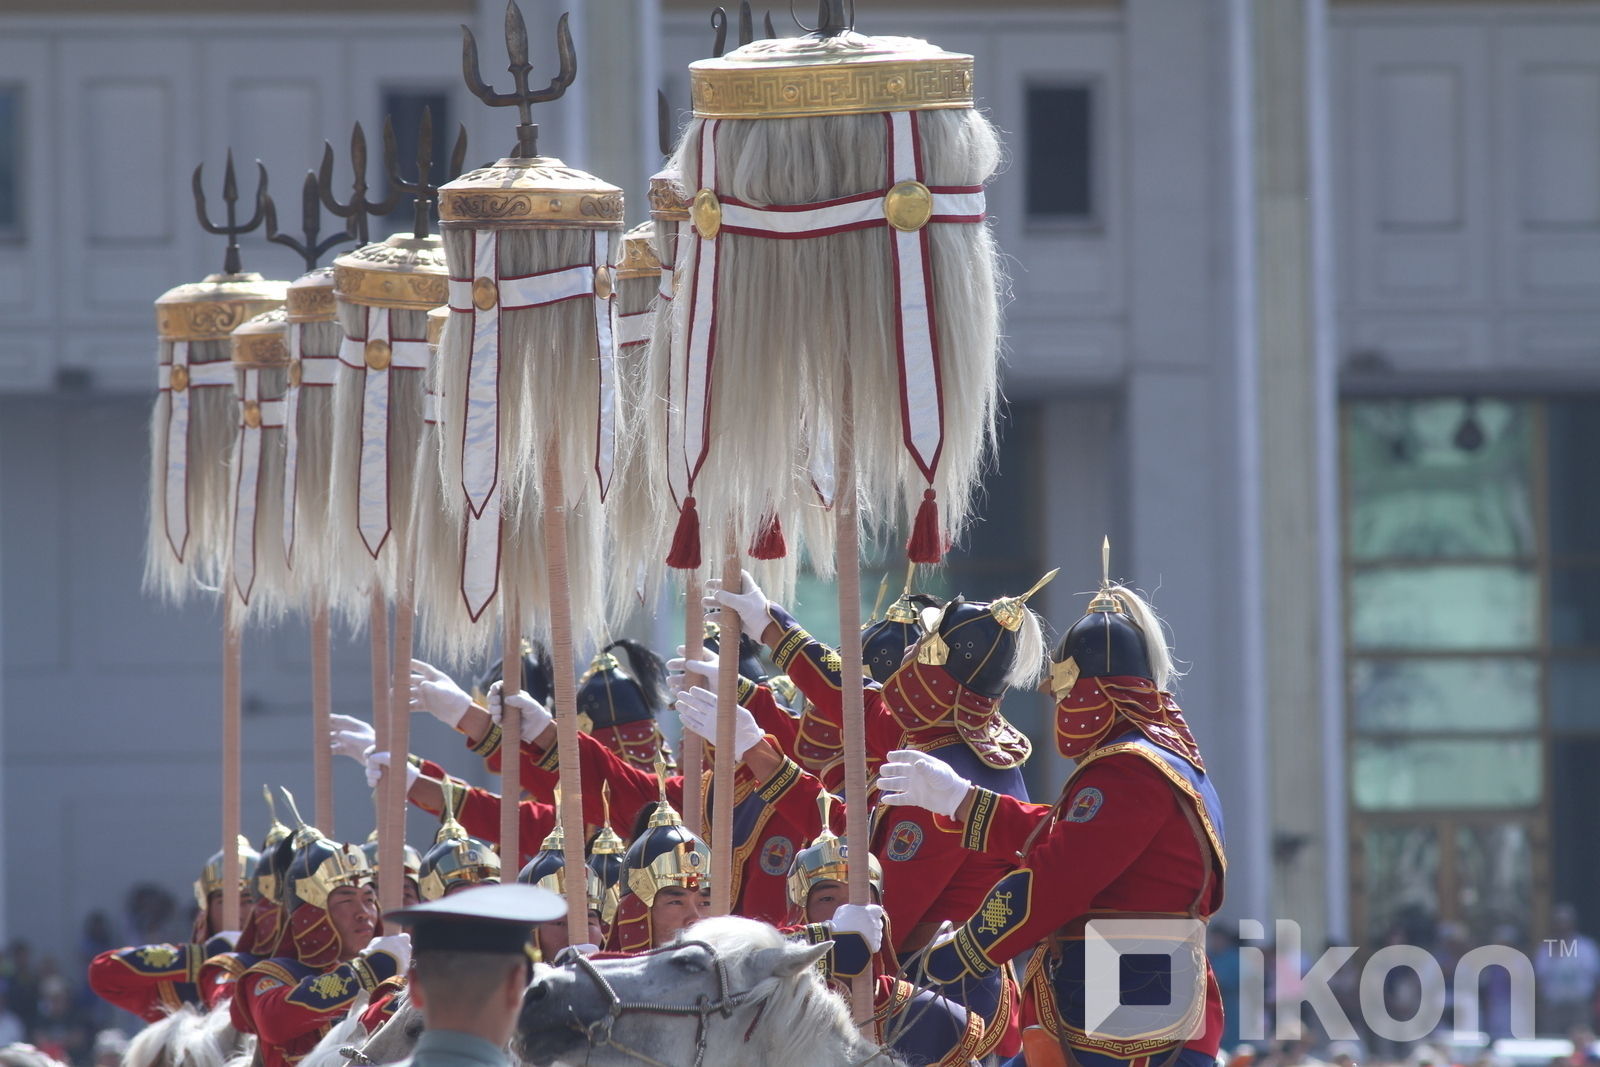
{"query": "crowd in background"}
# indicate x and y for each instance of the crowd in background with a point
(46, 1002)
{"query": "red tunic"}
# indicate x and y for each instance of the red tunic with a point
(151, 981)
(928, 876)
(480, 814)
(1119, 841)
(765, 840)
(291, 1006)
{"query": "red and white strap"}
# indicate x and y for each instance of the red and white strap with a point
(372, 495)
(175, 500)
(480, 442)
(316, 371)
(269, 415)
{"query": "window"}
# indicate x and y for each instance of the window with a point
(1472, 585)
(405, 107)
(1060, 146)
(10, 163)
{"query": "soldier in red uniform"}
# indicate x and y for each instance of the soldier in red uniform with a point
(1137, 834)
(921, 1026)
(152, 981)
(943, 700)
(665, 884)
(333, 951)
(764, 837)
(548, 870)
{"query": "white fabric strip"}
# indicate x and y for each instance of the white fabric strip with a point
(372, 493)
(247, 479)
(481, 431)
(702, 316)
(372, 484)
(605, 336)
(176, 496)
(919, 365)
(291, 439)
(815, 221)
(480, 560)
(430, 408)
(517, 294)
(324, 370)
(634, 328)
(678, 355)
(403, 355)
(218, 372)
(480, 444)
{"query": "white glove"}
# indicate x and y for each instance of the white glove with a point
(350, 736)
(378, 762)
(434, 692)
(585, 949)
(535, 719)
(697, 709)
(863, 919)
(920, 780)
(705, 668)
(750, 604)
(396, 945)
(230, 936)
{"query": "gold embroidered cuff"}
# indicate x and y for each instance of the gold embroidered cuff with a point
(490, 743)
(789, 646)
(975, 836)
(782, 780)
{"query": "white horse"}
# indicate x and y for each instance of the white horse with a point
(732, 992)
(349, 1045)
(190, 1038)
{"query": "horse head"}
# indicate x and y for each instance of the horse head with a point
(730, 991)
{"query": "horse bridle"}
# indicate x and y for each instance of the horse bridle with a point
(600, 1032)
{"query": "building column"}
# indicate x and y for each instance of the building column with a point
(1298, 476)
(1192, 514)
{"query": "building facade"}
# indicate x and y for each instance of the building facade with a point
(1303, 315)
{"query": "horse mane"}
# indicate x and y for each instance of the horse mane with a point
(804, 1022)
(149, 1045)
(346, 1031)
(23, 1055)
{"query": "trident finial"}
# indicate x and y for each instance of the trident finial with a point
(832, 20)
(664, 131)
(423, 193)
(747, 27)
(358, 208)
(883, 590)
(306, 247)
(1105, 600)
(230, 198)
(661, 772)
(825, 806)
(522, 98)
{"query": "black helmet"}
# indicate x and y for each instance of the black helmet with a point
(609, 695)
(536, 676)
(884, 641)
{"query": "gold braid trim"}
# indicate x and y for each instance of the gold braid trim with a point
(490, 743)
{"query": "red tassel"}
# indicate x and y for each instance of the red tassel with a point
(769, 542)
(685, 553)
(925, 545)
